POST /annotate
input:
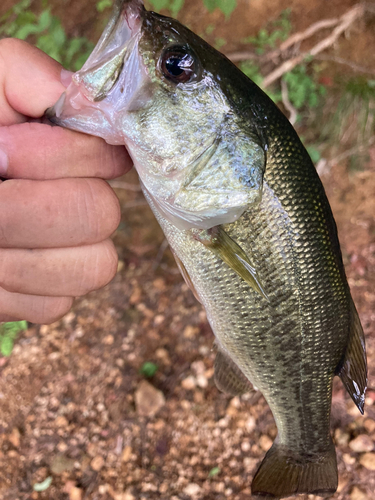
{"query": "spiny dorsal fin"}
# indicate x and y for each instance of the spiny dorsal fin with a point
(353, 369)
(228, 377)
(230, 252)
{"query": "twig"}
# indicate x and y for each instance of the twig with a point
(292, 40)
(242, 56)
(351, 151)
(299, 37)
(346, 20)
(340, 60)
(324, 165)
(287, 104)
(125, 185)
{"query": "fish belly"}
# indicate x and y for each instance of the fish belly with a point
(288, 346)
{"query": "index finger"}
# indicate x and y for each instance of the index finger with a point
(30, 82)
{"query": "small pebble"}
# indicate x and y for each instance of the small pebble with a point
(189, 383)
(158, 320)
(361, 444)
(97, 463)
(15, 437)
(61, 421)
(368, 461)
(190, 332)
(192, 489)
(357, 494)
(369, 425)
(126, 454)
(348, 459)
(250, 424)
(202, 382)
(75, 494)
(148, 399)
(108, 340)
(265, 442)
(245, 446)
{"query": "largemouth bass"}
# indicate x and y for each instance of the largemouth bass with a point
(247, 218)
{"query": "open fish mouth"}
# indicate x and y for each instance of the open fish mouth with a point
(109, 79)
(146, 86)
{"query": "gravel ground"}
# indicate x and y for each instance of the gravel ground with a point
(77, 417)
(76, 410)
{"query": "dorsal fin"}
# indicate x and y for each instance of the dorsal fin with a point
(230, 252)
(353, 368)
(228, 377)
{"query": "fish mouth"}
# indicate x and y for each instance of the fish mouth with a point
(109, 79)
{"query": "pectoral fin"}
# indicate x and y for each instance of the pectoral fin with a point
(221, 244)
(228, 377)
(353, 369)
(186, 275)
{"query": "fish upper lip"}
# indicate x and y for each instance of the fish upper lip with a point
(127, 7)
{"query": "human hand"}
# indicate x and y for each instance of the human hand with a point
(56, 212)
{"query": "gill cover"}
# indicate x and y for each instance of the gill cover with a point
(147, 85)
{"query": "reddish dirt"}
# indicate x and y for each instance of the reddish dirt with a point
(71, 393)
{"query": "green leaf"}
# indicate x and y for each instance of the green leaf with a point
(176, 6)
(214, 472)
(59, 36)
(13, 328)
(80, 61)
(73, 48)
(252, 71)
(44, 485)
(219, 42)
(103, 4)
(314, 153)
(149, 369)
(226, 6)
(8, 334)
(159, 4)
(6, 346)
(210, 5)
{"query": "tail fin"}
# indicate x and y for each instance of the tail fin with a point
(283, 473)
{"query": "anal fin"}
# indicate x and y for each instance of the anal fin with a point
(353, 368)
(228, 377)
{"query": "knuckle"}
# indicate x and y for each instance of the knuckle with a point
(9, 273)
(10, 45)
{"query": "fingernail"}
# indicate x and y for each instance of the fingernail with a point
(4, 162)
(66, 77)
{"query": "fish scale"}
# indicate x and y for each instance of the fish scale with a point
(248, 221)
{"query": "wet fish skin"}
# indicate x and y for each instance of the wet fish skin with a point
(292, 339)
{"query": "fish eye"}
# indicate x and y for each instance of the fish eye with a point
(178, 64)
